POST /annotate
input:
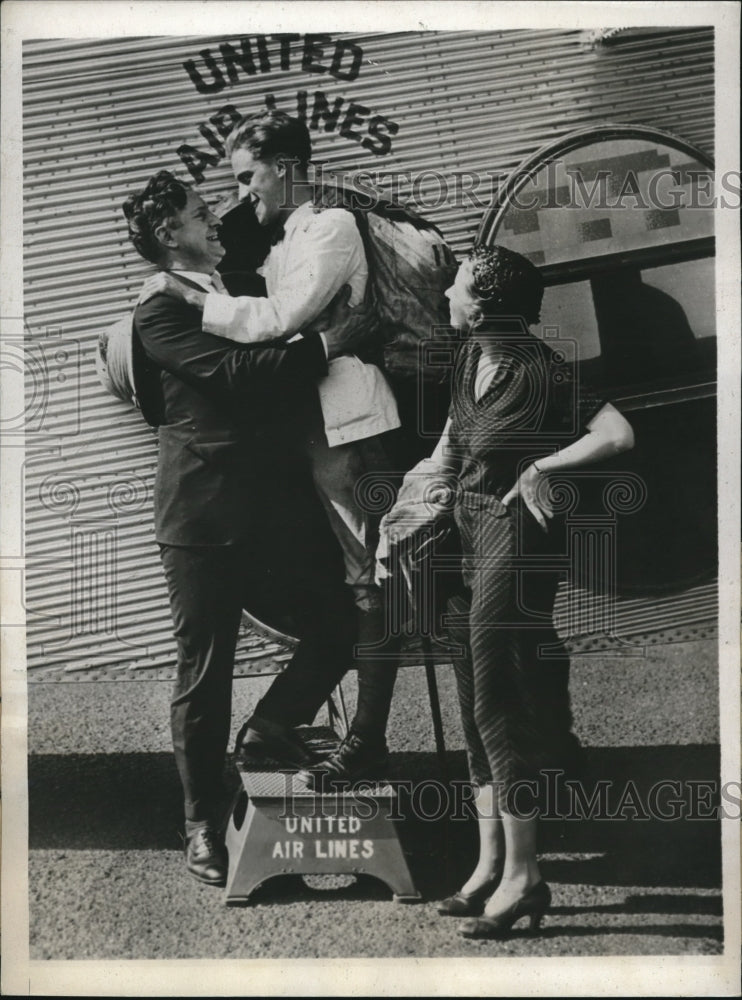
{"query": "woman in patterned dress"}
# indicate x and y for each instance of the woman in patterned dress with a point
(519, 415)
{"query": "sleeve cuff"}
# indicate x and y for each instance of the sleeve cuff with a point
(322, 337)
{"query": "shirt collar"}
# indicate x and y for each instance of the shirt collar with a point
(297, 216)
(197, 277)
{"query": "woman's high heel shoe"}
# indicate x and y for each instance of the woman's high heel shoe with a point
(533, 903)
(470, 904)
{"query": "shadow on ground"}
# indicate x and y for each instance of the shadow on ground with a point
(131, 801)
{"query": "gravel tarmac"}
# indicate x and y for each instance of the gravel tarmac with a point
(106, 873)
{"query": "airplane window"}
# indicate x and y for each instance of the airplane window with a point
(691, 284)
(619, 220)
(571, 310)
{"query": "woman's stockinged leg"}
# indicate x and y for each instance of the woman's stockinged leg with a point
(502, 711)
(521, 871)
(491, 840)
(491, 844)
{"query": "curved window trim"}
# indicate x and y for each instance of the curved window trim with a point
(581, 269)
(536, 162)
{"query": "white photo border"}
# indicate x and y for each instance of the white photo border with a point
(604, 976)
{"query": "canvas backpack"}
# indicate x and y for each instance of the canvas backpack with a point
(410, 267)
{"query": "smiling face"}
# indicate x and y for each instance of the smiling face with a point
(462, 300)
(191, 237)
(263, 182)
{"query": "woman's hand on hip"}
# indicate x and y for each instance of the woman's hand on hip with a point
(533, 487)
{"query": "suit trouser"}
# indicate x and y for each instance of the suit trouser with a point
(208, 588)
(513, 677)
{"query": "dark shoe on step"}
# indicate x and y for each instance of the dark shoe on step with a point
(532, 904)
(206, 858)
(265, 738)
(355, 758)
(470, 904)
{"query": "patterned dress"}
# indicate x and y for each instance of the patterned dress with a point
(512, 674)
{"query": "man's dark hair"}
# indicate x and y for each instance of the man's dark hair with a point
(272, 133)
(163, 196)
(506, 283)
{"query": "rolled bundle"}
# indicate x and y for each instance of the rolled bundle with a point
(114, 361)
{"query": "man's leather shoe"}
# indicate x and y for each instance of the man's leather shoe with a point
(206, 859)
(264, 738)
(355, 758)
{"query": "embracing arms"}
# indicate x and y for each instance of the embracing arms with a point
(173, 338)
(320, 262)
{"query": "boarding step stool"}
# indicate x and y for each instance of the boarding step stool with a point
(279, 827)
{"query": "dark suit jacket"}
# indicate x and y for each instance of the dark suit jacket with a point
(228, 421)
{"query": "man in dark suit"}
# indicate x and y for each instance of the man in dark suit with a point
(236, 523)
